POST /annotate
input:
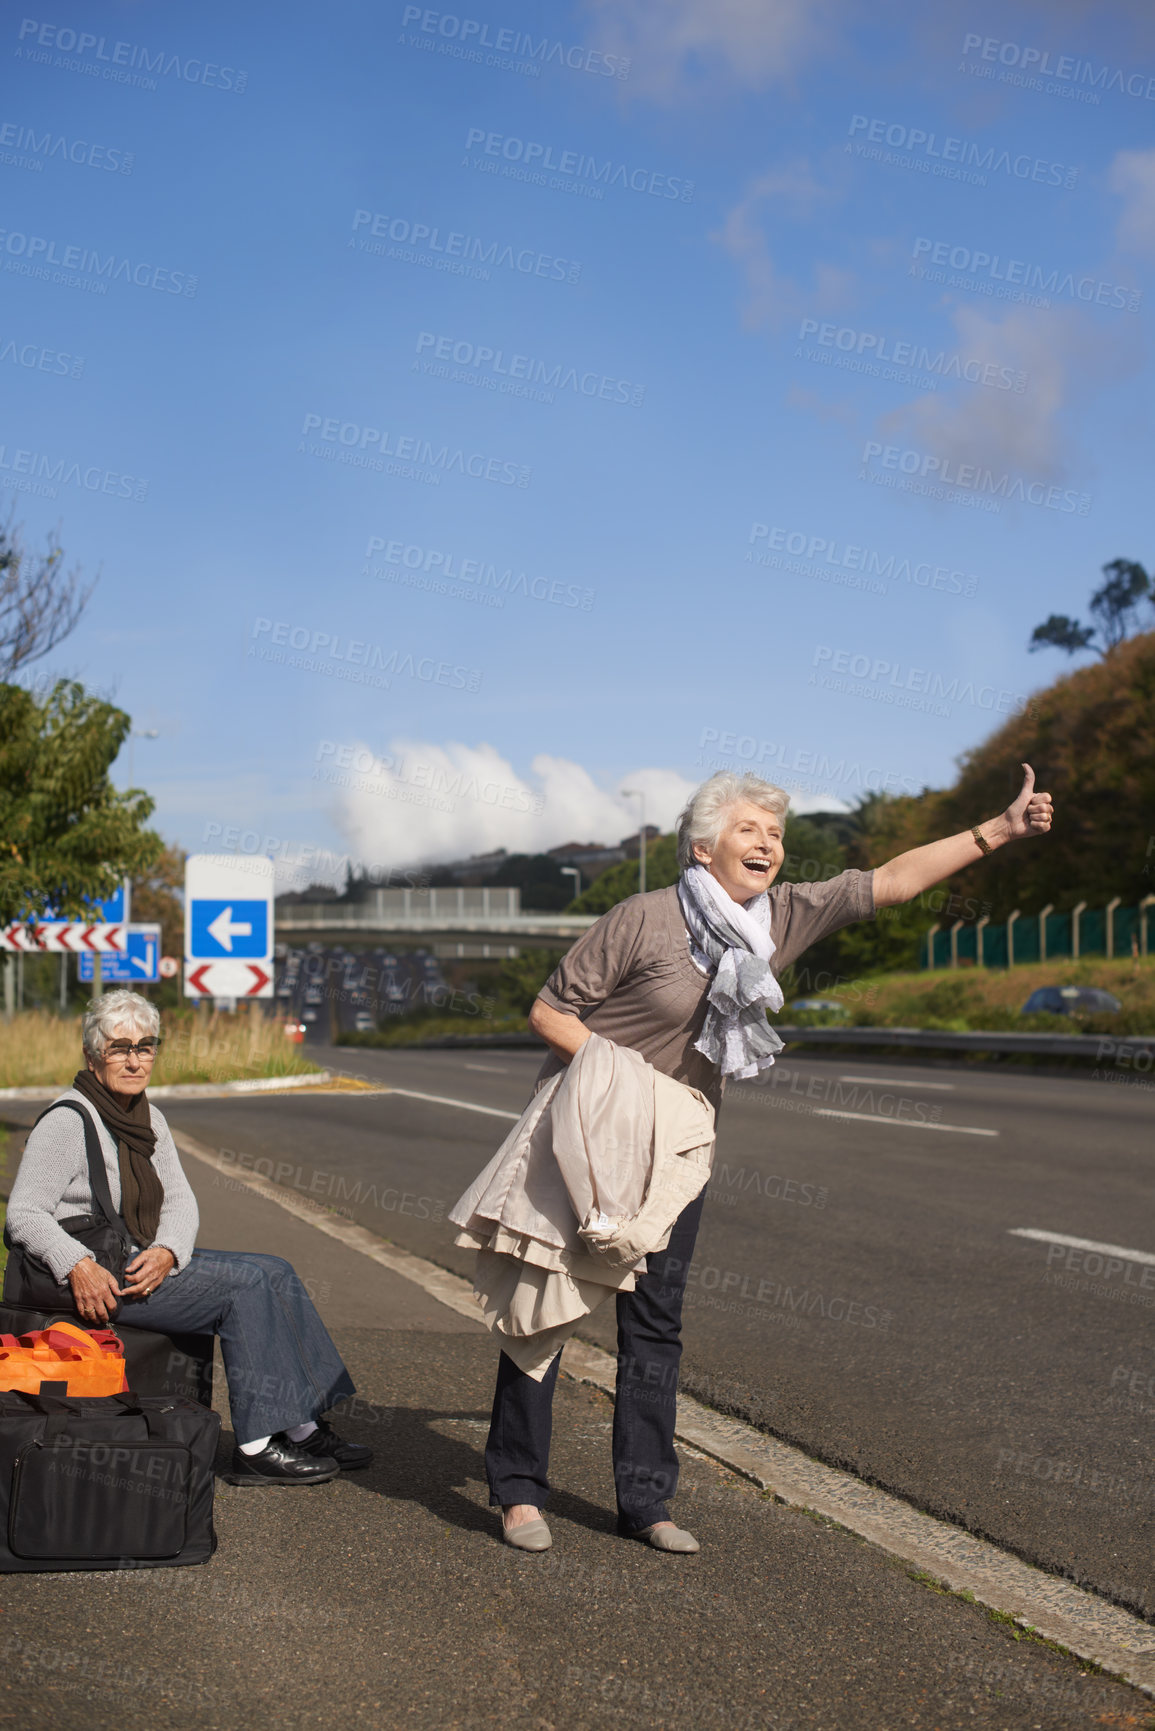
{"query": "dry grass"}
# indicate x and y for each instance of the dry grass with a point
(38, 1050)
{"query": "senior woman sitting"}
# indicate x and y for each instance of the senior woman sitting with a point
(282, 1368)
(684, 976)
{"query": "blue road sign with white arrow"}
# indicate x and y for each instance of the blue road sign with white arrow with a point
(228, 928)
(138, 966)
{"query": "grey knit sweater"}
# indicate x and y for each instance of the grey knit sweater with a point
(52, 1184)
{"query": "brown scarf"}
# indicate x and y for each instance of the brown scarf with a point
(130, 1122)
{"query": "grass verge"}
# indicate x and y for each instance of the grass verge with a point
(40, 1050)
(988, 1000)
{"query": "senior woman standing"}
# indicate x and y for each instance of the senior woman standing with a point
(683, 976)
(282, 1368)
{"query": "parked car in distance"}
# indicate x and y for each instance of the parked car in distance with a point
(364, 1022)
(1071, 1001)
(818, 1004)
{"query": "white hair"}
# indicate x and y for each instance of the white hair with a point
(704, 817)
(116, 1010)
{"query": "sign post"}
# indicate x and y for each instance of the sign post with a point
(228, 932)
(116, 909)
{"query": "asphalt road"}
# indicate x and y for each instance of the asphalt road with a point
(387, 1599)
(857, 1288)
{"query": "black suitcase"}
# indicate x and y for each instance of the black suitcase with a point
(120, 1482)
(179, 1366)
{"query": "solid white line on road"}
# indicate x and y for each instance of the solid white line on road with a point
(1086, 1625)
(489, 1069)
(443, 1100)
(902, 1123)
(1082, 1244)
(898, 1082)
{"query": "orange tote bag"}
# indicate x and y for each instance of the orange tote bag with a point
(87, 1361)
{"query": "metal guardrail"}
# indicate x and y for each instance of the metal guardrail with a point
(1103, 1047)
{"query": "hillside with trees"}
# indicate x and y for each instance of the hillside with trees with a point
(1090, 738)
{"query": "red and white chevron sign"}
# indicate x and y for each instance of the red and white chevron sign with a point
(71, 936)
(228, 979)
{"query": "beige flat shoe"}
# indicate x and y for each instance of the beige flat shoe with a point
(668, 1539)
(529, 1536)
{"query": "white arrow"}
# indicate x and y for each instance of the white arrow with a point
(224, 929)
(145, 966)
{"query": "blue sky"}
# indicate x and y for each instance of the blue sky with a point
(491, 426)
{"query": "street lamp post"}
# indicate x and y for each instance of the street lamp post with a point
(632, 793)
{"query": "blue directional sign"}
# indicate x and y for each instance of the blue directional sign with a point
(228, 928)
(138, 966)
(116, 909)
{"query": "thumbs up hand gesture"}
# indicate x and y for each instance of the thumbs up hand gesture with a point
(1030, 813)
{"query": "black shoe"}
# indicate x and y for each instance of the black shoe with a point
(281, 1462)
(326, 1445)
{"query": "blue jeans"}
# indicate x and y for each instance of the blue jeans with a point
(281, 1365)
(645, 1401)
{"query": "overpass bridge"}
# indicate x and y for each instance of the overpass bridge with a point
(475, 923)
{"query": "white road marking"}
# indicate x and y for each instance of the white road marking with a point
(489, 1069)
(443, 1100)
(1046, 1604)
(898, 1082)
(1082, 1244)
(903, 1123)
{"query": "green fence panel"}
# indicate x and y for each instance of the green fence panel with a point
(1093, 932)
(936, 952)
(1026, 939)
(965, 946)
(1058, 935)
(1126, 929)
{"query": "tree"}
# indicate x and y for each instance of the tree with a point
(520, 979)
(40, 603)
(1090, 738)
(619, 881)
(67, 836)
(540, 879)
(1115, 608)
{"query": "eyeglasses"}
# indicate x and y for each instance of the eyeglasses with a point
(123, 1049)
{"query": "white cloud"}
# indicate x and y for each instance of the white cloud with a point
(1065, 358)
(674, 45)
(771, 297)
(419, 802)
(1132, 176)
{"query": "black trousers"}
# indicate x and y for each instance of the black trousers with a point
(649, 1353)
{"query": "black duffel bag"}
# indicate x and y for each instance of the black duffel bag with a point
(30, 1282)
(119, 1482)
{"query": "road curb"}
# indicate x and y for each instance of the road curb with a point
(1088, 1626)
(189, 1090)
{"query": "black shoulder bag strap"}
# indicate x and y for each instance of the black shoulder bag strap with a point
(97, 1173)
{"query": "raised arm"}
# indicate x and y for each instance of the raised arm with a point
(908, 874)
